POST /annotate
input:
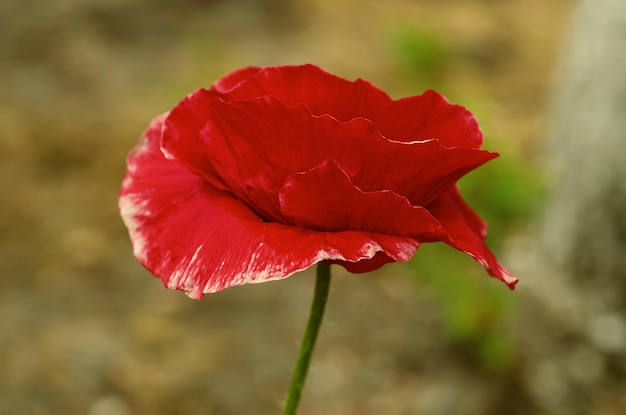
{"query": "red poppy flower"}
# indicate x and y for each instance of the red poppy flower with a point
(274, 169)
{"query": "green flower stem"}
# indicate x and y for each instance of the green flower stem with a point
(322, 285)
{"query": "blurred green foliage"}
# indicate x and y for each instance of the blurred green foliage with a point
(476, 309)
(504, 192)
(421, 54)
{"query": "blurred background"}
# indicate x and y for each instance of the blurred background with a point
(84, 329)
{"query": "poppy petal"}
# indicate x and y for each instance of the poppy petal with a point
(466, 232)
(254, 155)
(324, 199)
(322, 92)
(429, 116)
(183, 138)
(199, 239)
(415, 118)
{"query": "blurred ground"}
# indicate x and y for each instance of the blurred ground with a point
(85, 330)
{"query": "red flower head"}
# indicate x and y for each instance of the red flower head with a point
(274, 169)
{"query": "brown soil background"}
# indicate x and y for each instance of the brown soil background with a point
(85, 330)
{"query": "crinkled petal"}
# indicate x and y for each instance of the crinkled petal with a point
(325, 199)
(420, 117)
(199, 239)
(320, 91)
(255, 145)
(429, 116)
(466, 232)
